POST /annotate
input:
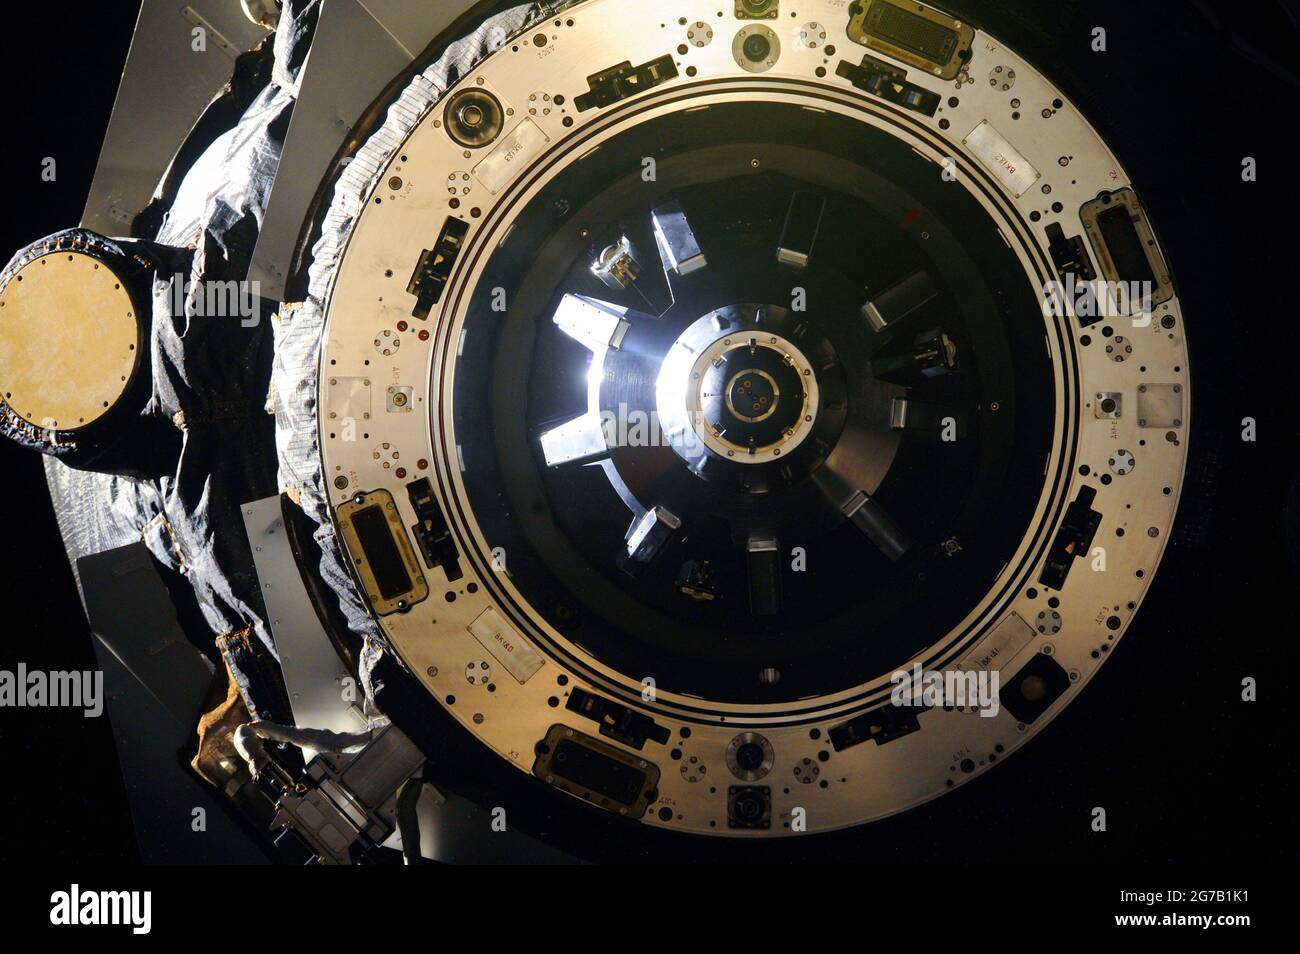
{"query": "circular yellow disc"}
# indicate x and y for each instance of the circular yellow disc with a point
(68, 337)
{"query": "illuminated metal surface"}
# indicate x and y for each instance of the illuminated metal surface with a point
(49, 310)
(377, 38)
(147, 129)
(856, 783)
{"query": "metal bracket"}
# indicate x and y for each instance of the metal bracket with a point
(313, 673)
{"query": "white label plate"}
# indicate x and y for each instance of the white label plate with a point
(514, 152)
(509, 648)
(1002, 159)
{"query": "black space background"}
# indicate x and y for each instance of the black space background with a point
(1186, 771)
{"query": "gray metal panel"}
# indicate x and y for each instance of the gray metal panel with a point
(165, 87)
(376, 39)
(313, 673)
(413, 24)
(132, 614)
